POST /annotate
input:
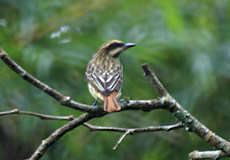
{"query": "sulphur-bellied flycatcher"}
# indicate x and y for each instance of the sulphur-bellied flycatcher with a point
(104, 74)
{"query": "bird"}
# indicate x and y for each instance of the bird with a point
(104, 74)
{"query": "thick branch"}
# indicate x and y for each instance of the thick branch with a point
(66, 101)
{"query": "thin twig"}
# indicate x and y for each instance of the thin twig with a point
(133, 131)
(129, 131)
(41, 116)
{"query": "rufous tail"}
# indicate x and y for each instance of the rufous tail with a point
(110, 103)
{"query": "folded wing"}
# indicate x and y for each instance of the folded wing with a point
(105, 79)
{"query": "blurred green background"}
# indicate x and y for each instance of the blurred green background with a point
(187, 44)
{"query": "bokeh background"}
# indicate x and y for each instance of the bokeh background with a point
(187, 44)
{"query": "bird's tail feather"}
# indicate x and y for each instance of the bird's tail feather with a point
(110, 103)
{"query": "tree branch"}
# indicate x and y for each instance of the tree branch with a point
(154, 80)
(181, 115)
(64, 100)
(132, 131)
(206, 155)
(166, 102)
(58, 134)
(145, 105)
(41, 116)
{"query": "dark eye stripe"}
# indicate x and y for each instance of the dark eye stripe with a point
(115, 45)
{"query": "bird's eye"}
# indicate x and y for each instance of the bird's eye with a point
(115, 44)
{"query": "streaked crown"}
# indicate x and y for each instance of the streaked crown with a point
(113, 48)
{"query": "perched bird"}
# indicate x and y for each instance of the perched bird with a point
(104, 74)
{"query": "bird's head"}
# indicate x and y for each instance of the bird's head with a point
(113, 48)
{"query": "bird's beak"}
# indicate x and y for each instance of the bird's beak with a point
(128, 45)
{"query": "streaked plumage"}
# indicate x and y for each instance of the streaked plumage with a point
(104, 74)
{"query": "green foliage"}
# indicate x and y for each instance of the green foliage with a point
(185, 42)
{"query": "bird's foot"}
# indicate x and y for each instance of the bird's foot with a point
(95, 103)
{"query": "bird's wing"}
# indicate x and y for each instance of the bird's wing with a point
(105, 79)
